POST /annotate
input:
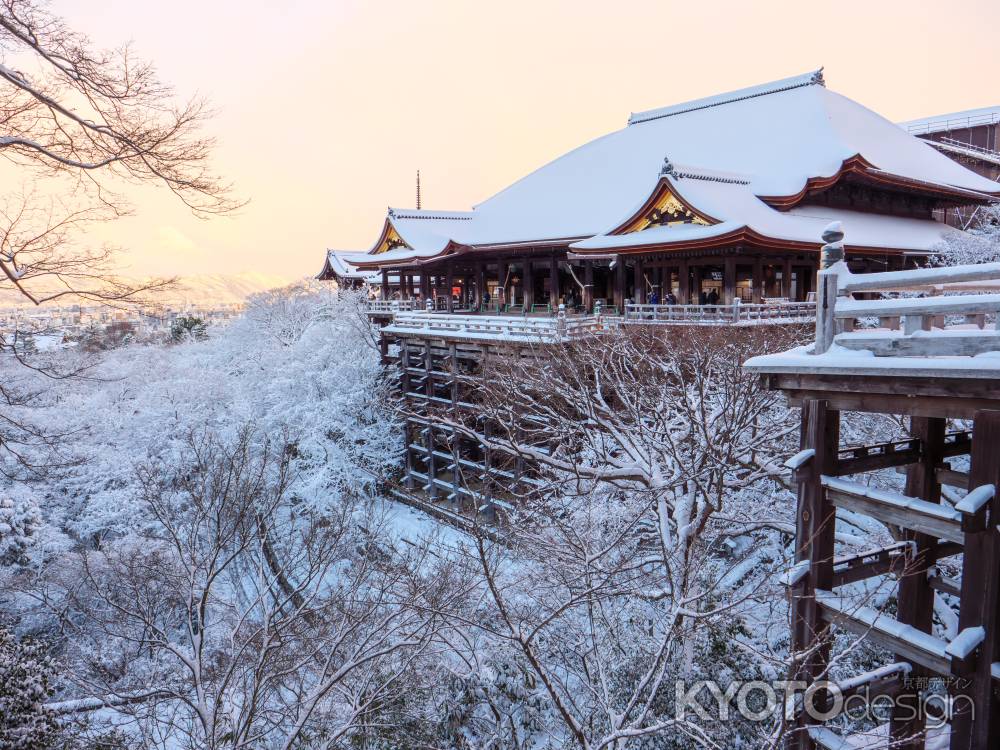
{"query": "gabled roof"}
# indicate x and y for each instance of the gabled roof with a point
(772, 142)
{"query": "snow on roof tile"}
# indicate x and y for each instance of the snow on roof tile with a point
(767, 140)
(814, 78)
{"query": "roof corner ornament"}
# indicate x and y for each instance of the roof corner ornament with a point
(817, 77)
(392, 213)
(668, 168)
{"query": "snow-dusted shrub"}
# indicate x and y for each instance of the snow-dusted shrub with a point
(26, 673)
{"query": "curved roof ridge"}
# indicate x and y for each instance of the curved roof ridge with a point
(426, 213)
(815, 78)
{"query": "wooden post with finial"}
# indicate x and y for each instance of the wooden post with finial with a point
(826, 299)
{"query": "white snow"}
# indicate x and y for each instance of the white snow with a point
(953, 120)
(966, 642)
(788, 132)
(976, 499)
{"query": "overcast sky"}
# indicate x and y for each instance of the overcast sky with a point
(327, 109)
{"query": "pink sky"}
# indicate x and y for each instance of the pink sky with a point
(327, 109)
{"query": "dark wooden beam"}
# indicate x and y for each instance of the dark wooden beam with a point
(915, 597)
(978, 725)
(879, 456)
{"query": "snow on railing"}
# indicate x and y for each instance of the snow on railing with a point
(389, 305)
(737, 313)
(487, 327)
(925, 331)
(955, 123)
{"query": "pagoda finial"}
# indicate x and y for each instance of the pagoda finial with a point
(418, 189)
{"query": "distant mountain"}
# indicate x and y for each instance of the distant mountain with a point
(221, 288)
(200, 289)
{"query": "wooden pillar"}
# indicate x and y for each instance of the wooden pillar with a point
(696, 271)
(529, 285)
(449, 281)
(978, 726)
(480, 285)
(786, 279)
(619, 285)
(501, 284)
(729, 280)
(758, 279)
(639, 280)
(554, 283)
(588, 286)
(915, 596)
(425, 284)
(683, 283)
(384, 291)
(814, 542)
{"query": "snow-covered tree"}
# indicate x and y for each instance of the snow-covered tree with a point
(26, 674)
(239, 616)
(980, 244)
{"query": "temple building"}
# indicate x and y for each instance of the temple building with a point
(719, 198)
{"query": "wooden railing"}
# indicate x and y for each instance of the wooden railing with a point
(389, 305)
(961, 318)
(486, 327)
(738, 313)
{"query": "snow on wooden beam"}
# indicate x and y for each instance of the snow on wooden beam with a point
(936, 344)
(962, 646)
(869, 282)
(912, 644)
(976, 499)
(866, 678)
(966, 304)
(896, 509)
(799, 459)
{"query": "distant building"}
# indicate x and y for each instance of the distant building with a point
(972, 138)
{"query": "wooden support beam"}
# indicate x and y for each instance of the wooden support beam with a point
(977, 725)
(684, 283)
(588, 286)
(729, 280)
(450, 284)
(894, 509)
(851, 569)
(502, 284)
(814, 535)
(619, 284)
(758, 279)
(528, 283)
(953, 478)
(554, 282)
(786, 279)
(915, 597)
(914, 645)
(638, 282)
(874, 457)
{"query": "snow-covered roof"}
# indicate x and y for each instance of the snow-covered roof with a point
(738, 210)
(968, 118)
(772, 141)
(341, 264)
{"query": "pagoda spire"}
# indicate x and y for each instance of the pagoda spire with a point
(418, 189)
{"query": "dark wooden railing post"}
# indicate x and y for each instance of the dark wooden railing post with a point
(976, 723)
(814, 535)
(915, 596)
